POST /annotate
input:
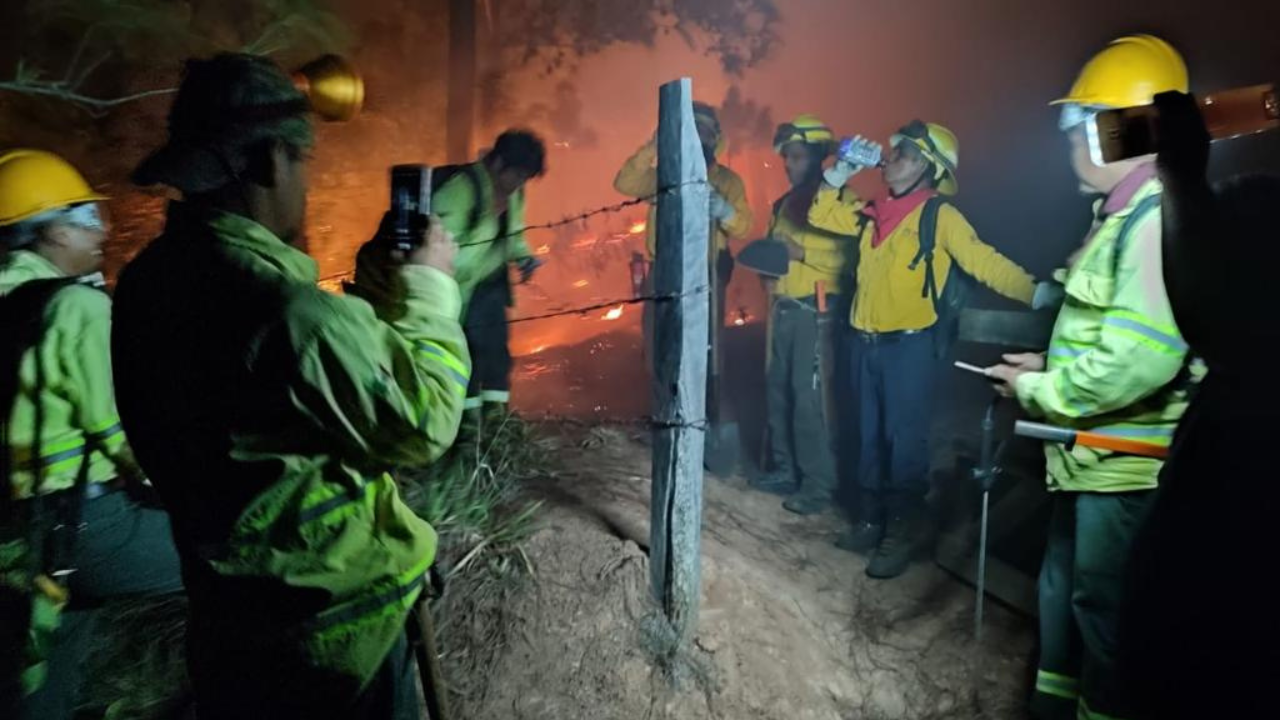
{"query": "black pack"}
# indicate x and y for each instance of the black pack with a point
(957, 289)
(22, 314)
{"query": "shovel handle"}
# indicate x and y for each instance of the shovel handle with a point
(820, 290)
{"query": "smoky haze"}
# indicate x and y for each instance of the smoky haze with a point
(985, 68)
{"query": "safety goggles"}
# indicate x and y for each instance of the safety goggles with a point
(916, 130)
(1074, 115)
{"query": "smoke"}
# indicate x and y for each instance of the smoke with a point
(745, 123)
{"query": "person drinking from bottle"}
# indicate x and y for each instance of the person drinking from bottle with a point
(917, 252)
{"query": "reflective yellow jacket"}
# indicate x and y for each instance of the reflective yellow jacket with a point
(77, 398)
(267, 413)
(481, 252)
(828, 257)
(1116, 364)
(888, 296)
(639, 178)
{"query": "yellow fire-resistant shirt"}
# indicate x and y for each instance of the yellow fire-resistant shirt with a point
(889, 292)
(828, 257)
(639, 178)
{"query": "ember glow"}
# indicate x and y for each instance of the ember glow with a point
(543, 250)
(614, 313)
(581, 284)
(638, 228)
(586, 242)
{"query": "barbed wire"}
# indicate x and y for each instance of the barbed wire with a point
(567, 220)
(701, 289)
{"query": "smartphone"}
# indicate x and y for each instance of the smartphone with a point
(410, 204)
(1133, 132)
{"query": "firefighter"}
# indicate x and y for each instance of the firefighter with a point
(65, 515)
(901, 325)
(1207, 649)
(267, 411)
(483, 206)
(800, 450)
(730, 212)
(1116, 364)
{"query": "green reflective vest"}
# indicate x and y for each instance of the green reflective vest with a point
(1116, 363)
(267, 412)
(488, 244)
(69, 375)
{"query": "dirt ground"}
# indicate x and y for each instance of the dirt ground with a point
(790, 626)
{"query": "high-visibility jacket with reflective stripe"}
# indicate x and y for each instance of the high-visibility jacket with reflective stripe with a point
(487, 246)
(1116, 362)
(638, 178)
(267, 412)
(77, 399)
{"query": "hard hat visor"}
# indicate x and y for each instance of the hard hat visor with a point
(1074, 115)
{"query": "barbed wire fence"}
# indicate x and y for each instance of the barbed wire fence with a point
(337, 279)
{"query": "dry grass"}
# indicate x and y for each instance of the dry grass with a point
(138, 670)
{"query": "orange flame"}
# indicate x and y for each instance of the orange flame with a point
(586, 242)
(638, 228)
(543, 250)
(614, 313)
(581, 284)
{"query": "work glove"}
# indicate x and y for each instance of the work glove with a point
(721, 210)
(527, 267)
(1049, 296)
(855, 154)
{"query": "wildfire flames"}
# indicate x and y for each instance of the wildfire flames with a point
(638, 228)
(543, 250)
(581, 284)
(614, 313)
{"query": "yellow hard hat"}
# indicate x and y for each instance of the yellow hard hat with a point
(1130, 72)
(33, 182)
(807, 129)
(939, 146)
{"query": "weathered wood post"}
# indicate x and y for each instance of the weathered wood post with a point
(680, 349)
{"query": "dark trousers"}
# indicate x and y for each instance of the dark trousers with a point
(276, 692)
(799, 429)
(891, 382)
(1081, 591)
(485, 327)
(124, 549)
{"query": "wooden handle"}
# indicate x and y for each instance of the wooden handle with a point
(1121, 445)
(820, 289)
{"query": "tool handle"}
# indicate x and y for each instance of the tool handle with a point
(1070, 438)
(820, 290)
(435, 693)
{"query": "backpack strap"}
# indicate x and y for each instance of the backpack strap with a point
(1137, 215)
(928, 242)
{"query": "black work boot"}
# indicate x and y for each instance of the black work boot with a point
(868, 529)
(775, 482)
(897, 547)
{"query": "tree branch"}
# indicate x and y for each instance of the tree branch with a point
(75, 58)
(55, 90)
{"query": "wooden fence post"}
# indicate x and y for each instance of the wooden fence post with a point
(680, 360)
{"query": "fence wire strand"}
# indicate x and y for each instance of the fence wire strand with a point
(570, 220)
